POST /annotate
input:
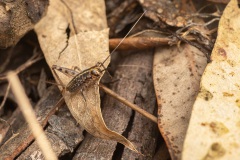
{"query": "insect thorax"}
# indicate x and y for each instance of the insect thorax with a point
(84, 79)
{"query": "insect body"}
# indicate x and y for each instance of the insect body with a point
(81, 80)
(84, 79)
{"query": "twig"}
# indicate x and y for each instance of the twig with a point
(53, 111)
(5, 96)
(129, 104)
(30, 117)
(139, 42)
(10, 127)
(28, 63)
(6, 61)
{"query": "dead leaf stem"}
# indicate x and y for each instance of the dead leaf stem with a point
(127, 103)
(5, 96)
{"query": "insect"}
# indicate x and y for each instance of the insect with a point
(81, 80)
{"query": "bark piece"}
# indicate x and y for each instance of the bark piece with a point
(63, 134)
(17, 143)
(143, 131)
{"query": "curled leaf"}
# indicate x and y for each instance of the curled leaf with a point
(65, 44)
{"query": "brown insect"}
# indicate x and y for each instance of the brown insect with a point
(90, 76)
(81, 80)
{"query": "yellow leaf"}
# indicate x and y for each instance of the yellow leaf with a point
(214, 130)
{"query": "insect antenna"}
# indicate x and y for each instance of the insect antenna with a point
(124, 37)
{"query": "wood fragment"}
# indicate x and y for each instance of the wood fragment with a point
(44, 109)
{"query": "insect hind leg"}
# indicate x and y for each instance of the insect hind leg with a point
(81, 91)
(83, 96)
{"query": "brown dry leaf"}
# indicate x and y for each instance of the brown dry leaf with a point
(176, 76)
(17, 17)
(173, 13)
(84, 50)
(214, 129)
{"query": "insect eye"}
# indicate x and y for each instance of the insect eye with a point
(95, 72)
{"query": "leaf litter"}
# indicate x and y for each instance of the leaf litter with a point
(66, 45)
(84, 50)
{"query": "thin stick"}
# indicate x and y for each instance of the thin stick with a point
(30, 117)
(25, 65)
(129, 104)
(5, 96)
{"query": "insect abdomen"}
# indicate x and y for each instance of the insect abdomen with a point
(81, 81)
(77, 82)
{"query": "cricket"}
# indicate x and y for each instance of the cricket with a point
(83, 79)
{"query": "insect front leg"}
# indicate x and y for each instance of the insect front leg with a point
(54, 68)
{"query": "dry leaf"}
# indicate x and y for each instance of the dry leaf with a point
(173, 13)
(17, 17)
(83, 50)
(176, 76)
(214, 131)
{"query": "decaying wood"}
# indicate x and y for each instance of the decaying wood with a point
(143, 131)
(35, 58)
(116, 20)
(63, 133)
(162, 153)
(29, 115)
(16, 144)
